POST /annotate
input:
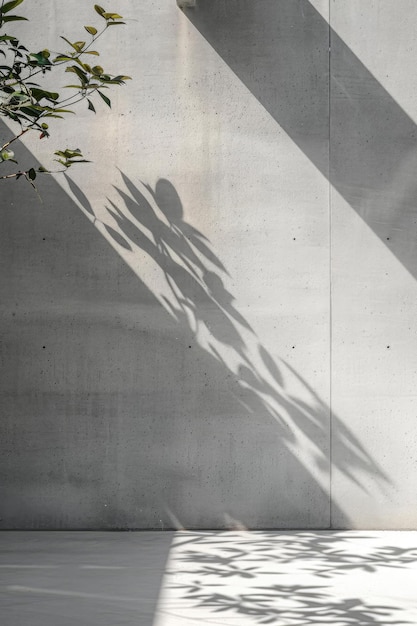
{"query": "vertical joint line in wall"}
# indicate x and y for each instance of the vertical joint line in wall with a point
(330, 288)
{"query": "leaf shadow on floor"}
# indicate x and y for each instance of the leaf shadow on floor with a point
(222, 573)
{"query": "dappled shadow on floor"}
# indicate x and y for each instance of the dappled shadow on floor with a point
(343, 579)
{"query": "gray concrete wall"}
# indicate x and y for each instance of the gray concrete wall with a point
(195, 327)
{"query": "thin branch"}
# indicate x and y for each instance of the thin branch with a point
(13, 175)
(82, 97)
(25, 174)
(77, 56)
(25, 130)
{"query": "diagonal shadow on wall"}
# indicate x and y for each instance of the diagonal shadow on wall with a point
(153, 221)
(115, 414)
(279, 49)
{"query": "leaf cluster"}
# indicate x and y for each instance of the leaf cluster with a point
(22, 97)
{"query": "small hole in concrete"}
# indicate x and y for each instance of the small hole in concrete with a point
(388, 347)
(43, 347)
(387, 238)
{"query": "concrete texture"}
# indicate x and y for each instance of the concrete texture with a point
(93, 579)
(374, 345)
(239, 578)
(243, 579)
(123, 419)
(189, 337)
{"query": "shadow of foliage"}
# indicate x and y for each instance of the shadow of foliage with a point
(221, 574)
(152, 221)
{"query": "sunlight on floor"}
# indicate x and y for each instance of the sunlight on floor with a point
(185, 578)
(290, 578)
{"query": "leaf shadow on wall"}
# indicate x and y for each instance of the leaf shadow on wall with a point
(280, 51)
(249, 428)
(126, 407)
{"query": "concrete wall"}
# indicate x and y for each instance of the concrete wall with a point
(213, 323)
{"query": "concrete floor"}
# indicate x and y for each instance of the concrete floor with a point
(236, 578)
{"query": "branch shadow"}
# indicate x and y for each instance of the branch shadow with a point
(126, 407)
(153, 222)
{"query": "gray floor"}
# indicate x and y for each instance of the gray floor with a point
(81, 578)
(236, 578)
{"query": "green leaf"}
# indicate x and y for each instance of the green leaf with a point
(91, 106)
(97, 70)
(62, 57)
(79, 45)
(98, 9)
(105, 98)
(50, 109)
(70, 157)
(97, 54)
(70, 43)
(20, 97)
(85, 66)
(14, 18)
(32, 174)
(94, 86)
(110, 81)
(69, 154)
(91, 30)
(81, 75)
(112, 16)
(115, 23)
(31, 111)
(38, 94)
(8, 6)
(40, 57)
(78, 60)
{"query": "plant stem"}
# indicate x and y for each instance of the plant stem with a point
(25, 130)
